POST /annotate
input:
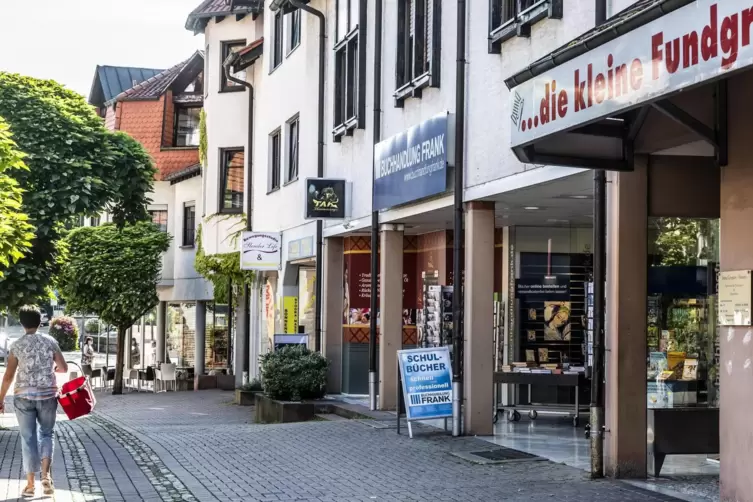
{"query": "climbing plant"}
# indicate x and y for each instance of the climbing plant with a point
(203, 141)
(222, 269)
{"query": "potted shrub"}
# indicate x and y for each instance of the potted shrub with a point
(293, 376)
(65, 331)
(245, 395)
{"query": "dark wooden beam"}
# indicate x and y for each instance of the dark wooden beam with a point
(239, 17)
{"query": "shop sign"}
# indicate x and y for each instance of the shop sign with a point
(735, 298)
(301, 248)
(427, 382)
(412, 165)
(326, 199)
(260, 251)
(702, 41)
(290, 314)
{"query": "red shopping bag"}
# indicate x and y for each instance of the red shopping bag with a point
(77, 398)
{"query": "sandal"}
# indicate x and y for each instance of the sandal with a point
(48, 487)
(28, 491)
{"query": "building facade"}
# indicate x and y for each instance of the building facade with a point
(532, 136)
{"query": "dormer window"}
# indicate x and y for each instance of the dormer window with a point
(187, 125)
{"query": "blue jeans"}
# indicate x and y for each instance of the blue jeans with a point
(36, 446)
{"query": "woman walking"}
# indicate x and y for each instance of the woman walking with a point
(34, 359)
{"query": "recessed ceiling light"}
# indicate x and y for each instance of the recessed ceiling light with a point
(580, 196)
(531, 208)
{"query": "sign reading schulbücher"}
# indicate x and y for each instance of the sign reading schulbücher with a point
(427, 382)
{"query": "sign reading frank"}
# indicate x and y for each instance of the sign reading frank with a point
(325, 198)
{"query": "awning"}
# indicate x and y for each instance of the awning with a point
(586, 103)
(247, 56)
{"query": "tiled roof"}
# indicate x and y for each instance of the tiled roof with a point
(638, 14)
(183, 174)
(198, 19)
(155, 86)
(109, 81)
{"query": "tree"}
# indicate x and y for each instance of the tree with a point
(76, 167)
(113, 273)
(15, 230)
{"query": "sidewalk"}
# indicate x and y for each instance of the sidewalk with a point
(197, 446)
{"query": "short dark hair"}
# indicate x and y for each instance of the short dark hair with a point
(30, 316)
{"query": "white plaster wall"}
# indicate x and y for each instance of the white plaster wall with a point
(227, 127)
(488, 153)
(615, 6)
(163, 197)
(282, 93)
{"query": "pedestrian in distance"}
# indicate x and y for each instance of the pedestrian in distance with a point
(33, 361)
(87, 355)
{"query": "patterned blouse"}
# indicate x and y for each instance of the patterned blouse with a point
(35, 376)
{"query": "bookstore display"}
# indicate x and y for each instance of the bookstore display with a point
(554, 297)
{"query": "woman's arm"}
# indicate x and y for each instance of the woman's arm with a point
(10, 374)
(60, 365)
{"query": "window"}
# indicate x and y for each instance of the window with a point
(81, 221)
(418, 43)
(275, 157)
(511, 18)
(293, 153)
(96, 221)
(295, 29)
(189, 224)
(229, 48)
(350, 66)
(277, 40)
(232, 185)
(159, 218)
(186, 126)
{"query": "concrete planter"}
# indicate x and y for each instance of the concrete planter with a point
(204, 382)
(184, 385)
(271, 411)
(225, 382)
(246, 397)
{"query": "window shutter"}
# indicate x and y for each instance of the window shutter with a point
(429, 31)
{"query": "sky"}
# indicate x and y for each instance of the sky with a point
(65, 40)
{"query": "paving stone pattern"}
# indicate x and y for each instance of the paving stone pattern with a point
(196, 446)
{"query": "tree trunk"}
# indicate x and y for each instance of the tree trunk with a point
(117, 386)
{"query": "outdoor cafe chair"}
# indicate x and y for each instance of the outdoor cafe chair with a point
(164, 375)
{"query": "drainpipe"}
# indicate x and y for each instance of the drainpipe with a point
(458, 233)
(373, 382)
(599, 277)
(319, 164)
(246, 334)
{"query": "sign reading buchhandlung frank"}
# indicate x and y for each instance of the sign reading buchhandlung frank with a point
(427, 382)
(412, 165)
(698, 42)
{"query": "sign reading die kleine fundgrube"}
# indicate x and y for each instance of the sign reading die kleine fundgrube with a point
(426, 376)
(260, 250)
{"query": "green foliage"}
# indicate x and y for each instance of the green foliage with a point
(76, 167)
(677, 241)
(203, 141)
(15, 231)
(92, 327)
(113, 272)
(253, 385)
(221, 270)
(65, 331)
(294, 373)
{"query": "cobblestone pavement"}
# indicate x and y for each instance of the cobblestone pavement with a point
(197, 446)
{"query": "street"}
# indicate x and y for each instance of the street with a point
(197, 446)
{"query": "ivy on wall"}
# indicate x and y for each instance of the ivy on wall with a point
(203, 145)
(222, 269)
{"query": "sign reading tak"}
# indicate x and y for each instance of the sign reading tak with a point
(427, 382)
(698, 42)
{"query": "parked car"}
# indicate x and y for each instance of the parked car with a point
(45, 319)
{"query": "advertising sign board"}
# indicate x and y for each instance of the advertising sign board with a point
(427, 382)
(260, 250)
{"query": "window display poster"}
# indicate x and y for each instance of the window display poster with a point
(427, 382)
(290, 314)
(557, 321)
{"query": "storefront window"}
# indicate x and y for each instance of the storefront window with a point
(306, 302)
(181, 332)
(683, 343)
(217, 349)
